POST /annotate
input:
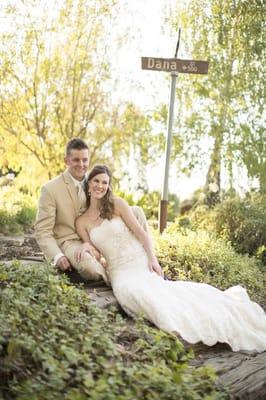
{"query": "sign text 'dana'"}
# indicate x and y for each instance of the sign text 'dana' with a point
(174, 65)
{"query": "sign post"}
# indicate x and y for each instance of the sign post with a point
(175, 66)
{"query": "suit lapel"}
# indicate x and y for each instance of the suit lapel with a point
(71, 190)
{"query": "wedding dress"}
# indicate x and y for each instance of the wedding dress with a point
(195, 311)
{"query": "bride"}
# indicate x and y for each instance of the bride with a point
(194, 311)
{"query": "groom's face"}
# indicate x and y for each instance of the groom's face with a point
(77, 162)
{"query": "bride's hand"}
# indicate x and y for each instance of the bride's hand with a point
(86, 248)
(103, 262)
(155, 266)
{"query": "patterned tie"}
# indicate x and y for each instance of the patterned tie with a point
(81, 197)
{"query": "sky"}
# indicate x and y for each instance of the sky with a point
(149, 35)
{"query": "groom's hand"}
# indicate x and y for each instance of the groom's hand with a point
(63, 264)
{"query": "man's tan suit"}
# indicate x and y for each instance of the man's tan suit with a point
(55, 225)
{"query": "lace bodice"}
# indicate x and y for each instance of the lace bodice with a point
(116, 242)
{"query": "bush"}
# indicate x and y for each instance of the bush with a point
(55, 344)
(26, 216)
(17, 212)
(19, 222)
(200, 256)
(240, 221)
(8, 223)
(150, 203)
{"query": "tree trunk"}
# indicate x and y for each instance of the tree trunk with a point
(213, 179)
(262, 180)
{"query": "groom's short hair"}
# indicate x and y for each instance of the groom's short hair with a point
(75, 144)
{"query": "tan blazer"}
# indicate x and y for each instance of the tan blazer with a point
(57, 211)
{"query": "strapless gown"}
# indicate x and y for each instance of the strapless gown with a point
(195, 311)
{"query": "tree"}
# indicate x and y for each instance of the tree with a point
(252, 149)
(222, 106)
(55, 80)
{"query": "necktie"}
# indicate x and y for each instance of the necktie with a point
(81, 196)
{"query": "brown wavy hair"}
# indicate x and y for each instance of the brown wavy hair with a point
(107, 202)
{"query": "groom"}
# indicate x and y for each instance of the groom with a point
(61, 201)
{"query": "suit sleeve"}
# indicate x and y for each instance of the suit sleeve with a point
(139, 214)
(44, 226)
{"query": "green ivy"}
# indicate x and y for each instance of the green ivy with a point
(56, 344)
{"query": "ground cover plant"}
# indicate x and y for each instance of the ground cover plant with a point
(56, 344)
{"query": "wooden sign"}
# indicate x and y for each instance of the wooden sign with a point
(174, 65)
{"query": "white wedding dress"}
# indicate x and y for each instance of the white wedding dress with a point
(195, 311)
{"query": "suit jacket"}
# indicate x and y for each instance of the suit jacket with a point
(57, 211)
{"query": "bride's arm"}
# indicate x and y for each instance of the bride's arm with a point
(124, 211)
(87, 246)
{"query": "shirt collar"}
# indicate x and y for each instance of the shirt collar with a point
(76, 182)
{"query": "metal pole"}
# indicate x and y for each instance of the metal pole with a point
(164, 199)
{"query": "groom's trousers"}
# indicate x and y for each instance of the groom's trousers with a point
(89, 268)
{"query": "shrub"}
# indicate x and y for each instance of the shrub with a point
(200, 256)
(150, 203)
(17, 223)
(55, 344)
(240, 221)
(8, 223)
(26, 216)
(17, 212)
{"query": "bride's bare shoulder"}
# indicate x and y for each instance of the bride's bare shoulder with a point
(121, 207)
(119, 202)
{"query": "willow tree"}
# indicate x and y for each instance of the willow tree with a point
(55, 83)
(226, 105)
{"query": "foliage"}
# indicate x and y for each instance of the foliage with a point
(240, 221)
(126, 196)
(8, 223)
(55, 344)
(200, 256)
(150, 202)
(17, 211)
(252, 148)
(56, 84)
(222, 118)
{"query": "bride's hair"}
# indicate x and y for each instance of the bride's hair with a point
(107, 202)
